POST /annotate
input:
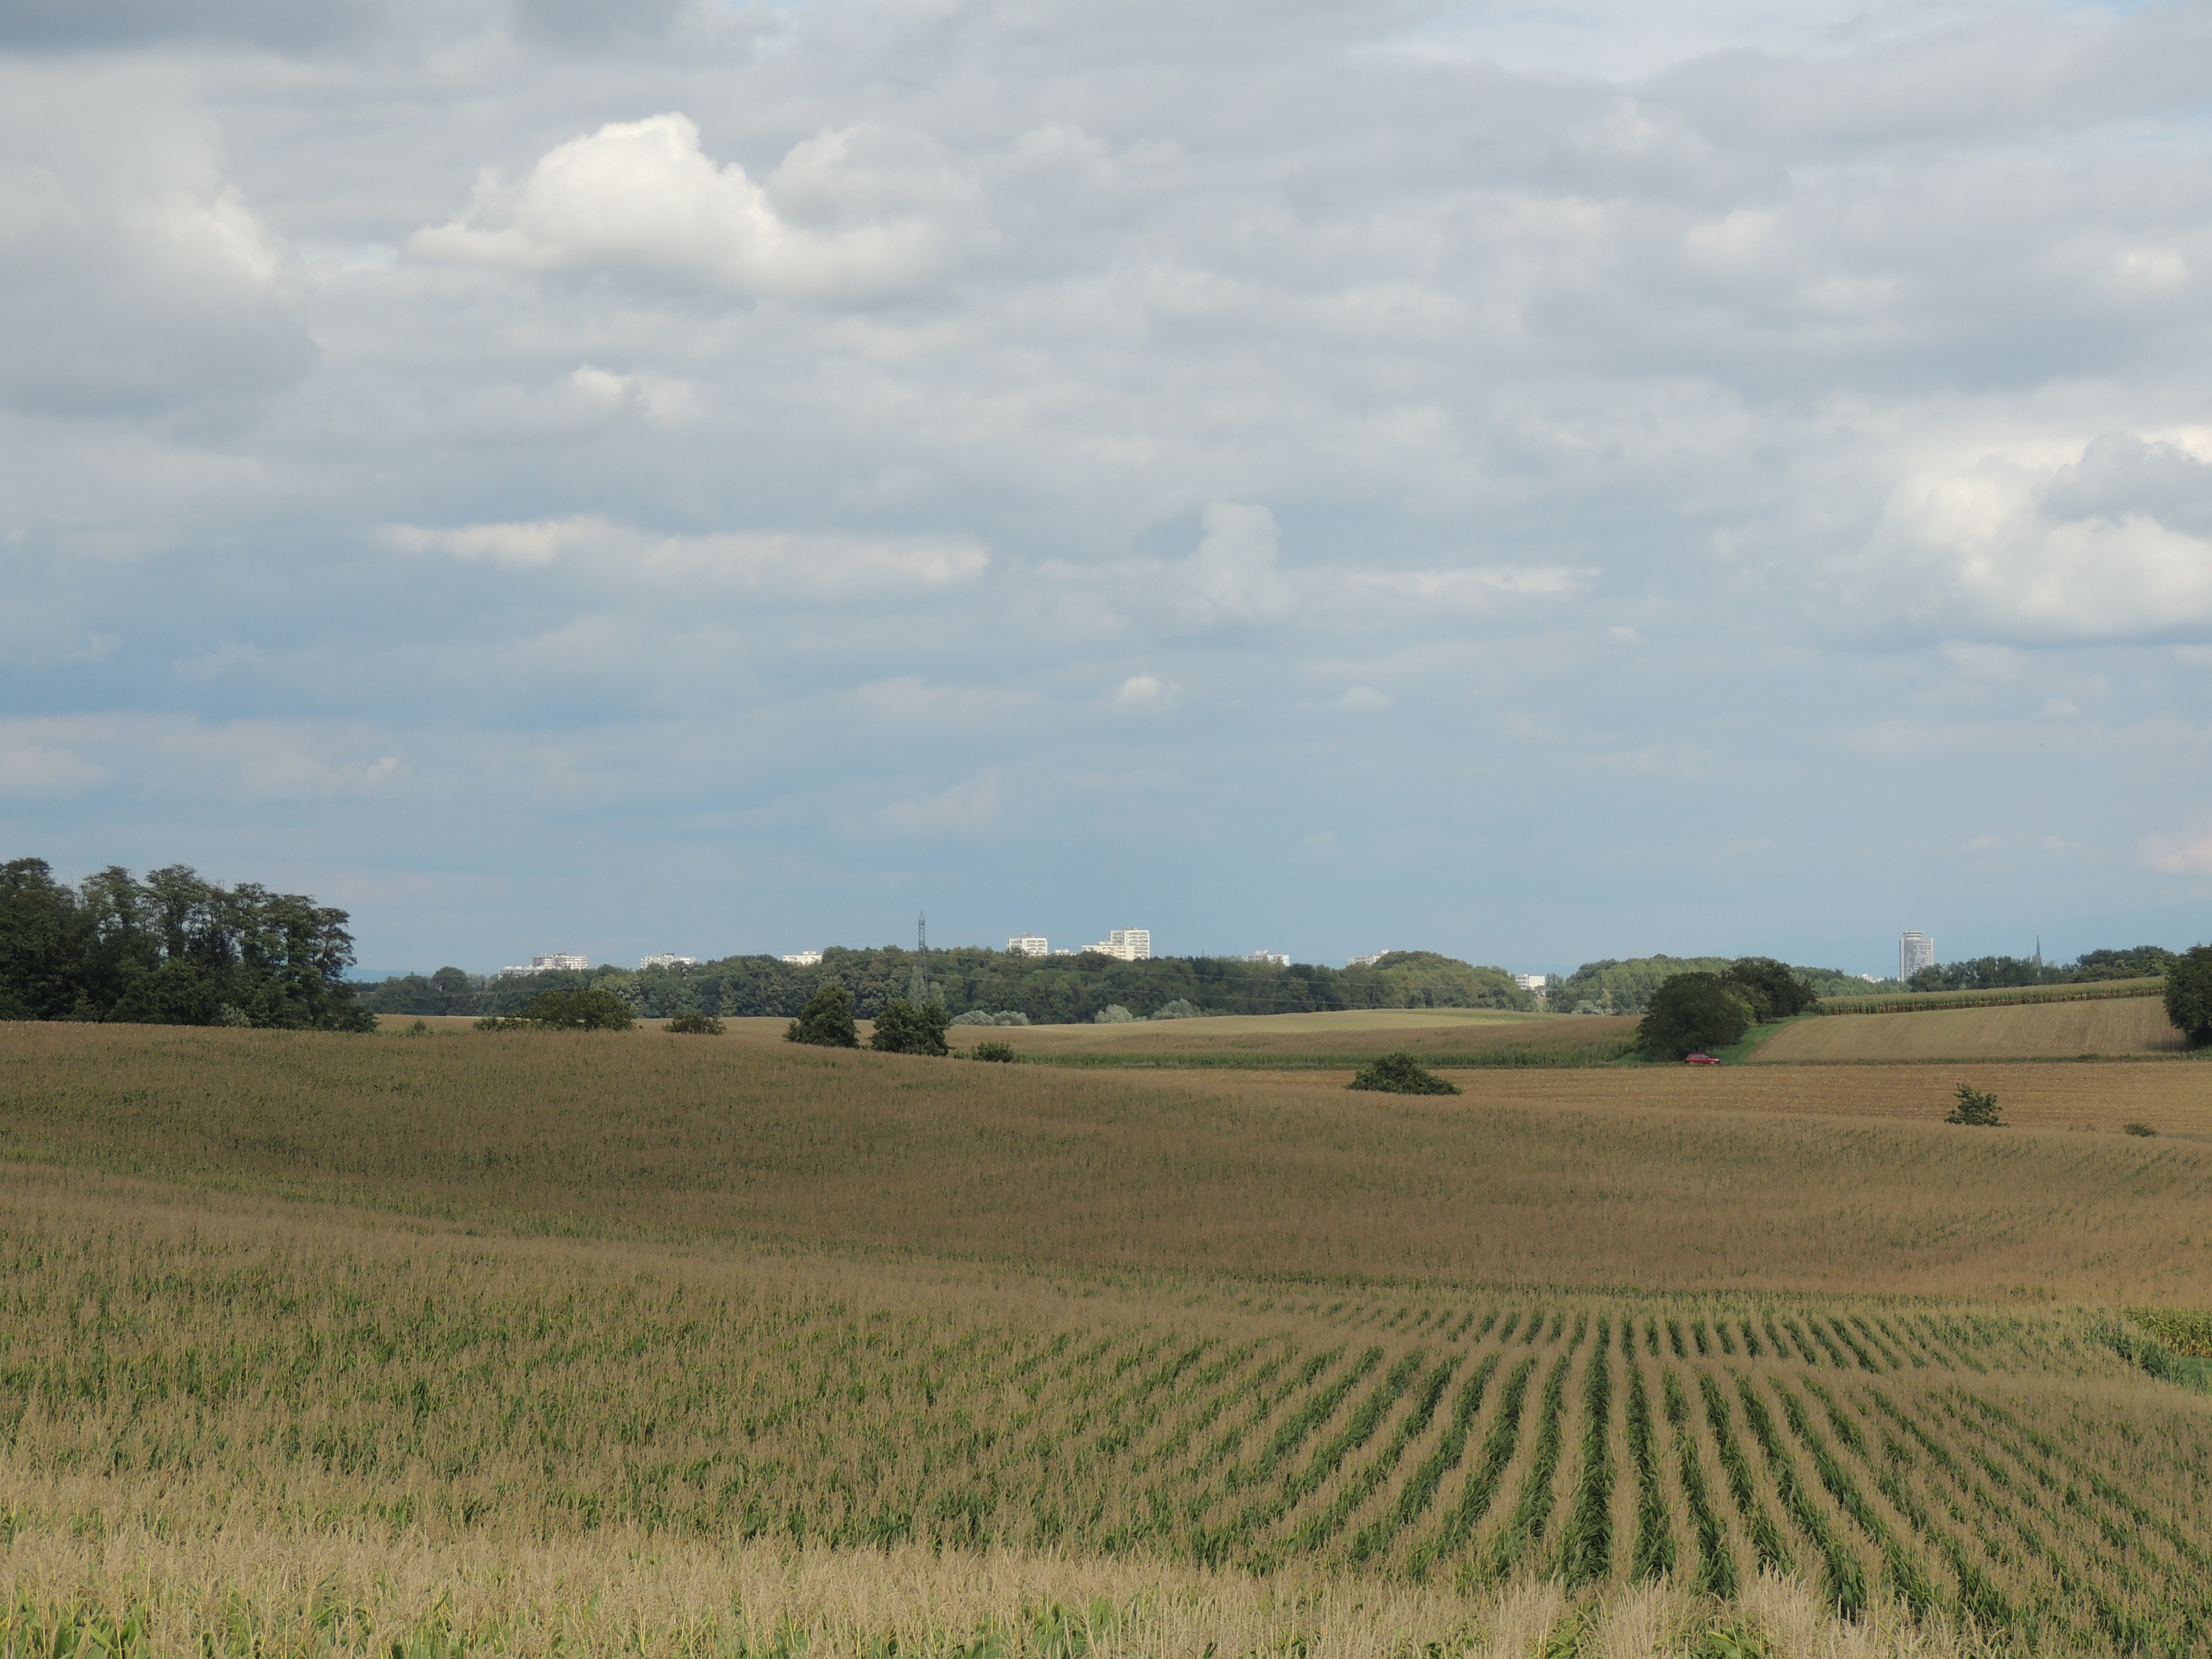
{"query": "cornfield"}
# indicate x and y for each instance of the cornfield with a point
(176, 1376)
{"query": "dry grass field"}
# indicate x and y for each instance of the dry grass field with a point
(1827, 1178)
(1440, 1036)
(2128, 1028)
(520, 1343)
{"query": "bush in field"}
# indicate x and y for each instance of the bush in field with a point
(826, 1021)
(1977, 1107)
(1001, 1052)
(694, 1023)
(1774, 989)
(1180, 1008)
(1692, 1012)
(1112, 1014)
(908, 1028)
(591, 1009)
(1400, 1074)
(2188, 993)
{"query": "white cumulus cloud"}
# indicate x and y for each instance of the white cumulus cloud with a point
(850, 213)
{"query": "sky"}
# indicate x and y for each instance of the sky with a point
(1537, 482)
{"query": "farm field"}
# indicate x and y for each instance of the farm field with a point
(1781, 1177)
(639, 1343)
(2131, 1026)
(1925, 1001)
(1441, 1036)
(200, 1380)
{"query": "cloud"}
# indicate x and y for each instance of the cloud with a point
(1144, 694)
(1234, 576)
(33, 770)
(134, 274)
(971, 807)
(852, 567)
(2189, 853)
(2111, 547)
(853, 213)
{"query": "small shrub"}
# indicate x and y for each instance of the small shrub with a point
(1001, 1052)
(694, 1023)
(1180, 1008)
(420, 1028)
(1400, 1074)
(592, 1009)
(2141, 1129)
(1977, 1107)
(1112, 1014)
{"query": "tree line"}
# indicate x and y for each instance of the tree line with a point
(173, 949)
(2003, 973)
(1050, 990)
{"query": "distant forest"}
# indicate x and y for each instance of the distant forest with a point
(175, 949)
(1998, 973)
(1625, 987)
(1050, 990)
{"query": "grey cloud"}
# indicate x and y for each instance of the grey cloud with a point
(2121, 475)
(134, 274)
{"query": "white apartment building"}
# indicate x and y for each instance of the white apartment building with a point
(552, 964)
(804, 958)
(667, 961)
(1029, 944)
(1129, 944)
(1534, 983)
(1915, 951)
(1367, 961)
(1275, 956)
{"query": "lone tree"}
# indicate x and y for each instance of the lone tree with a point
(2188, 993)
(693, 1023)
(1774, 989)
(826, 1021)
(906, 1028)
(1690, 1012)
(1400, 1074)
(1977, 1107)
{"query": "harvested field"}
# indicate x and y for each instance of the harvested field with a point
(199, 1390)
(1811, 1177)
(2133, 1026)
(1927, 1001)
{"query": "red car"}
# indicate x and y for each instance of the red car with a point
(1699, 1059)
